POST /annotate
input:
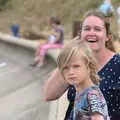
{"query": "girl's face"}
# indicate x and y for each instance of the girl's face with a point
(94, 33)
(76, 71)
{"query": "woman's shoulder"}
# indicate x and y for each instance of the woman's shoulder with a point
(113, 63)
(117, 55)
(112, 68)
(116, 59)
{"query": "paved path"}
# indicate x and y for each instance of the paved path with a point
(21, 85)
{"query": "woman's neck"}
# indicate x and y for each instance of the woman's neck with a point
(103, 57)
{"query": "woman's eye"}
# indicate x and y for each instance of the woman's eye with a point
(97, 29)
(86, 29)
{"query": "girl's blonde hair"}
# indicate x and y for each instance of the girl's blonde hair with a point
(74, 48)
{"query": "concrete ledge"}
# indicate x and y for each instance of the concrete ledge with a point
(54, 54)
(27, 44)
(18, 41)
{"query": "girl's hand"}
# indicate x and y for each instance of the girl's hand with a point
(97, 116)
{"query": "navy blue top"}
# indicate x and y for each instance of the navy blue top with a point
(110, 87)
(60, 30)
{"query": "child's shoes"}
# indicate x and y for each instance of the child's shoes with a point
(40, 65)
(34, 64)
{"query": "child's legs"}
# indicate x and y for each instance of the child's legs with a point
(37, 53)
(46, 47)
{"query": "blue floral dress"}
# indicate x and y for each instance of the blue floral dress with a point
(90, 101)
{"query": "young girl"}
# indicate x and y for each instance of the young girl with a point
(55, 40)
(78, 67)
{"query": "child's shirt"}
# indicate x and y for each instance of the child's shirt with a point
(90, 101)
(59, 30)
(52, 39)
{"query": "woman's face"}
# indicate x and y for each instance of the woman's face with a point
(94, 33)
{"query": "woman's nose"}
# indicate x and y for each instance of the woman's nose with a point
(92, 32)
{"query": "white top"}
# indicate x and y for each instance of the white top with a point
(118, 10)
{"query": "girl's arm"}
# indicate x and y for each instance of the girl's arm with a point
(98, 105)
(55, 86)
(57, 34)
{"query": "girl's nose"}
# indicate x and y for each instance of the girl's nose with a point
(71, 70)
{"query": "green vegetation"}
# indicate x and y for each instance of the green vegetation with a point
(5, 3)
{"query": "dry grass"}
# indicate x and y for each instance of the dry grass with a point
(30, 14)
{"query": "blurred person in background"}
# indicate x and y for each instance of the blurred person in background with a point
(54, 41)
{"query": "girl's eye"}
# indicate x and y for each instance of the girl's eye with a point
(76, 66)
(65, 68)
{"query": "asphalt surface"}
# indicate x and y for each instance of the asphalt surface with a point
(21, 85)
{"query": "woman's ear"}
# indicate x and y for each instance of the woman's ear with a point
(109, 37)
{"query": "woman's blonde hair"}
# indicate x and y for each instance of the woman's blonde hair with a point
(74, 48)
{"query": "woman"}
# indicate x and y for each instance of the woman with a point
(96, 33)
